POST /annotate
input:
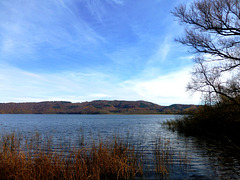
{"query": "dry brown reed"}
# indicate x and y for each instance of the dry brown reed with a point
(114, 160)
(166, 158)
(163, 156)
(35, 158)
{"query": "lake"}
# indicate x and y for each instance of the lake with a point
(140, 130)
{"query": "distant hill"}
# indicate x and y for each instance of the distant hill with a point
(93, 107)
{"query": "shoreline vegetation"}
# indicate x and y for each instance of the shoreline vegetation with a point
(35, 158)
(216, 128)
(208, 30)
(218, 124)
(94, 107)
(209, 26)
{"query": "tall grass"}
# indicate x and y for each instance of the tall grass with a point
(21, 159)
(163, 157)
(36, 158)
(166, 158)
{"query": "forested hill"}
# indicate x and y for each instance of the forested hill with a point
(93, 107)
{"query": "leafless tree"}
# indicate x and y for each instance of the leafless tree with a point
(213, 34)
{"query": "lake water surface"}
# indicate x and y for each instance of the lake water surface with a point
(140, 130)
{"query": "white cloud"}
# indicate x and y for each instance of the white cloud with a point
(96, 8)
(18, 85)
(165, 48)
(60, 35)
(186, 57)
(165, 89)
(99, 96)
(120, 2)
(161, 52)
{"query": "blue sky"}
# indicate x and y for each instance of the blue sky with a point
(83, 50)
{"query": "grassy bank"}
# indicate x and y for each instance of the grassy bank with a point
(35, 158)
(220, 123)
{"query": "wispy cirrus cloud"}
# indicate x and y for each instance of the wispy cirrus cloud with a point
(81, 50)
(162, 51)
(44, 26)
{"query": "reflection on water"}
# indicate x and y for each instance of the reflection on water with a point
(141, 130)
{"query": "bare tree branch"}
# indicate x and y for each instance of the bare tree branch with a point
(213, 29)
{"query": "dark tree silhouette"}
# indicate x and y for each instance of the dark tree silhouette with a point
(213, 34)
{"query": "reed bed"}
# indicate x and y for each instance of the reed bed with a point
(24, 159)
(163, 157)
(166, 159)
(35, 158)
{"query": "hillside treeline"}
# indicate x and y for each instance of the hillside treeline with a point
(94, 107)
